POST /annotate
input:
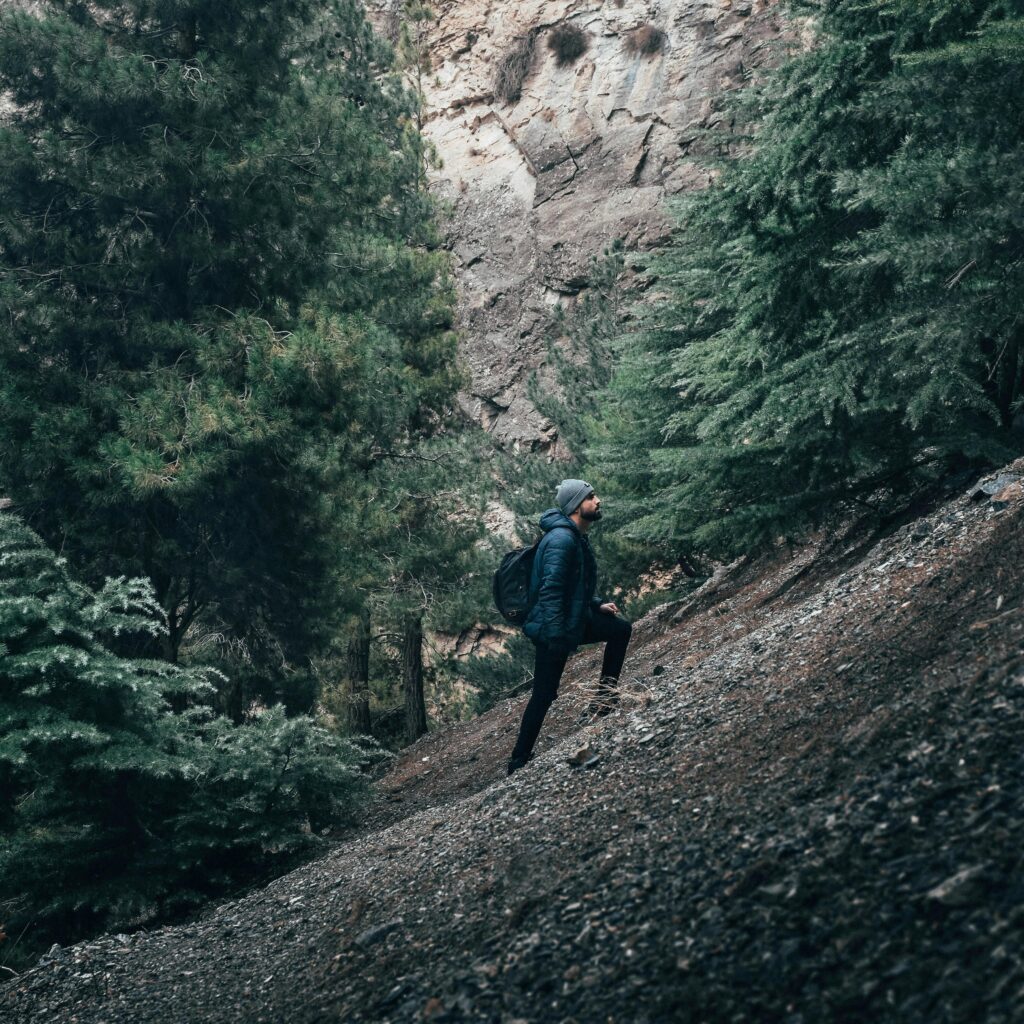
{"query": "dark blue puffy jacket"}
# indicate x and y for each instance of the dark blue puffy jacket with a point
(563, 585)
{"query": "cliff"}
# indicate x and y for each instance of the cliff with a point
(588, 153)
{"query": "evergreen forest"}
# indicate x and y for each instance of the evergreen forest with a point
(241, 514)
(840, 318)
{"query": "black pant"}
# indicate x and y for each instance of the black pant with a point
(549, 665)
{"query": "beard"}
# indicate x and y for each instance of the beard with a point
(591, 517)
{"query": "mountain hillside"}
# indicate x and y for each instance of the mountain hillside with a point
(587, 152)
(808, 809)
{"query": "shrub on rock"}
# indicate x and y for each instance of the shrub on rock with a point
(646, 41)
(568, 43)
(513, 69)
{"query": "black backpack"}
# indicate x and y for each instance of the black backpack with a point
(511, 584)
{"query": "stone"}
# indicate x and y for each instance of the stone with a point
(1009, 494)
(580, 756)
(434, 1008)
(54, 955)
(960, 890)
(992, 486)
(378, 932)
(588, 154)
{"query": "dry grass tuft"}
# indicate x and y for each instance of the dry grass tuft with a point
(646, 40)
(568, 43)
(513, 69)
(589, 702)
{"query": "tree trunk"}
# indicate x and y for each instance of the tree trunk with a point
(171, 640)
(412, 677)
(1008, 377)
(358, 671)
(188, 37)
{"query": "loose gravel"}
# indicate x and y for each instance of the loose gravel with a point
(808, 809)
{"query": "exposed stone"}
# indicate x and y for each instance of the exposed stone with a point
(582, 757)
(380, 931)
(588, 154)
(962, 889)
(993, 487)
(474, 641)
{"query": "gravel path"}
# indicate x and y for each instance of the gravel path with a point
(810, 809)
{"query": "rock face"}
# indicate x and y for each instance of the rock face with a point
(587, 154)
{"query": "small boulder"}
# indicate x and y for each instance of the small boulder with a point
(961, 889)
(584, 757)
(992, 486)
(378, 932)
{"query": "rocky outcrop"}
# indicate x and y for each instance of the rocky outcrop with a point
(587, 154)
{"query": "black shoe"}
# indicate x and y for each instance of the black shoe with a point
(516, 763)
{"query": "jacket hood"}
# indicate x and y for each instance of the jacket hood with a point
(556, 517)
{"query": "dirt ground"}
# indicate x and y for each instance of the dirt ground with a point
(808, 808)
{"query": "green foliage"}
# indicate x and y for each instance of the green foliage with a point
(581, 352)
(222, 304)
(414, 60)
(123, 798)
(438, 564)
(585, 339)
(843, 315)
(495, 677)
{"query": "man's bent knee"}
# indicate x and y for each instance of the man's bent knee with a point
(544, 693)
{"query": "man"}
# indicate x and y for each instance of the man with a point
(565, 610)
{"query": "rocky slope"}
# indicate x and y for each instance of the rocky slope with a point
(588, 154)
(808, 809)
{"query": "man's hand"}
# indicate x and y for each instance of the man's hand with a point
(609, 608)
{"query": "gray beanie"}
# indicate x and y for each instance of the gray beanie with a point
(570, 494)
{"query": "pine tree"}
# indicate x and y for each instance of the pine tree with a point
(585, 340)
(123, 798)
(358, 673)
(434, 577)
(844, 318)
(222, 302)
(423, 568)
(413, 696)
(581, 353)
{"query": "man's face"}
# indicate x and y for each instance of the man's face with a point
(590, 508)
